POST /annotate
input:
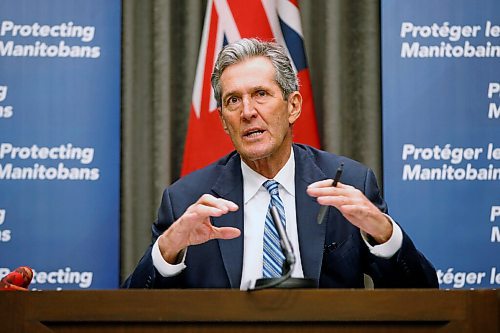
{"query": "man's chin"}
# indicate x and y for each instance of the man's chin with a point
(254, 155)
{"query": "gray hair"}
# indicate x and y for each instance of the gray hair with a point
(251, 47)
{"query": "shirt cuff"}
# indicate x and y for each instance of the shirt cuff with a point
(389, 248)
(163, 267)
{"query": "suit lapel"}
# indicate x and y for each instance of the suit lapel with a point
(311, 234)
(229, 186)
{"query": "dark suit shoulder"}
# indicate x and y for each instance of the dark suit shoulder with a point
(355, 173)
(202, 180)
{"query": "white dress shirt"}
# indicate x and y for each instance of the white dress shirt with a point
(256, 202)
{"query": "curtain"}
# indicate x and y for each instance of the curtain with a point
(160, 49)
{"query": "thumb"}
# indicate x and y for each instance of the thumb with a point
(225, 233)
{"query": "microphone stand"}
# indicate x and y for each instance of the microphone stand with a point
(285, 281)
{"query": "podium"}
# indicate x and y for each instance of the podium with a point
(319, 310)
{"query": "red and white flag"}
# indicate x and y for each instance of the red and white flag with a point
(227, 21)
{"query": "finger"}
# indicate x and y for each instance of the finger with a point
(201, 212)
(335, 201)
(225, 233)
(321, 191)
(330, 191)
(208, 205)
(345, 190)
(345, 186)
(321, 183)
(210, 200)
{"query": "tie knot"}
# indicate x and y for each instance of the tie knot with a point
(271, 186)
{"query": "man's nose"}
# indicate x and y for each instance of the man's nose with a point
(249, 110)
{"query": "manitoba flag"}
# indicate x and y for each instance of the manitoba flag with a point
(227, 21)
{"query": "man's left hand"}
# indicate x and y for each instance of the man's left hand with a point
(355, 207)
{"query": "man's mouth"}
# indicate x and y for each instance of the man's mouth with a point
(253, 133)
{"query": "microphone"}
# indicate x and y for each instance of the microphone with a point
(285, 281)
(18, 279)
(286, 245)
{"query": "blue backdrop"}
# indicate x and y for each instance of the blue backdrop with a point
(60, 141)
(441, 132)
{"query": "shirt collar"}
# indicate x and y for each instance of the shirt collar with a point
(252, 181)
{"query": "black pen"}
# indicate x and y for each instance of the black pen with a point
(324, 209)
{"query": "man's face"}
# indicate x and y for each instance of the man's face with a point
(254, 113)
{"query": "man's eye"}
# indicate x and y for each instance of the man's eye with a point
(232, 100)
(260, 96)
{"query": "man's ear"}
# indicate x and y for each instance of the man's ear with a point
(224, 125)
(294, 107)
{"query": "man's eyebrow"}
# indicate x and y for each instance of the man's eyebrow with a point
(261, 87)
(267, 89)
(228, 94)
(252, 90)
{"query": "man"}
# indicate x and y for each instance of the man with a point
(211, 230)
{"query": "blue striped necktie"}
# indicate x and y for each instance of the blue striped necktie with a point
(273, 255)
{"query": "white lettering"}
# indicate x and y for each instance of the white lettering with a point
(460, 279)
(63, 276)
(6, 26)
(494, 277)
(410, 173)
(63, 30)
(6, 111)
(41, 172)
(5, 236)
(495, 212)
(406, 28)
(493, 153)
(3, 93)
(408, 149)
(495, 234)
(455, 155)
(452, 33)
(491, 30)
(493, 88)
(448, 172)
(494, 111)
(64, 152)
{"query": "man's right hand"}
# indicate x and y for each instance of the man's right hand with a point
(194, 227)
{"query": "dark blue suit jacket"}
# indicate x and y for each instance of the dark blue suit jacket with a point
(333, 253)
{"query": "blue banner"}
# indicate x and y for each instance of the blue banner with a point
(60, 141)
(441, 133)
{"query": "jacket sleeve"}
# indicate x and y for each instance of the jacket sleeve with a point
(145, 274)
(408, 268)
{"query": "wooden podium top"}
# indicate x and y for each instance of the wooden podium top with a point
(232, 310)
